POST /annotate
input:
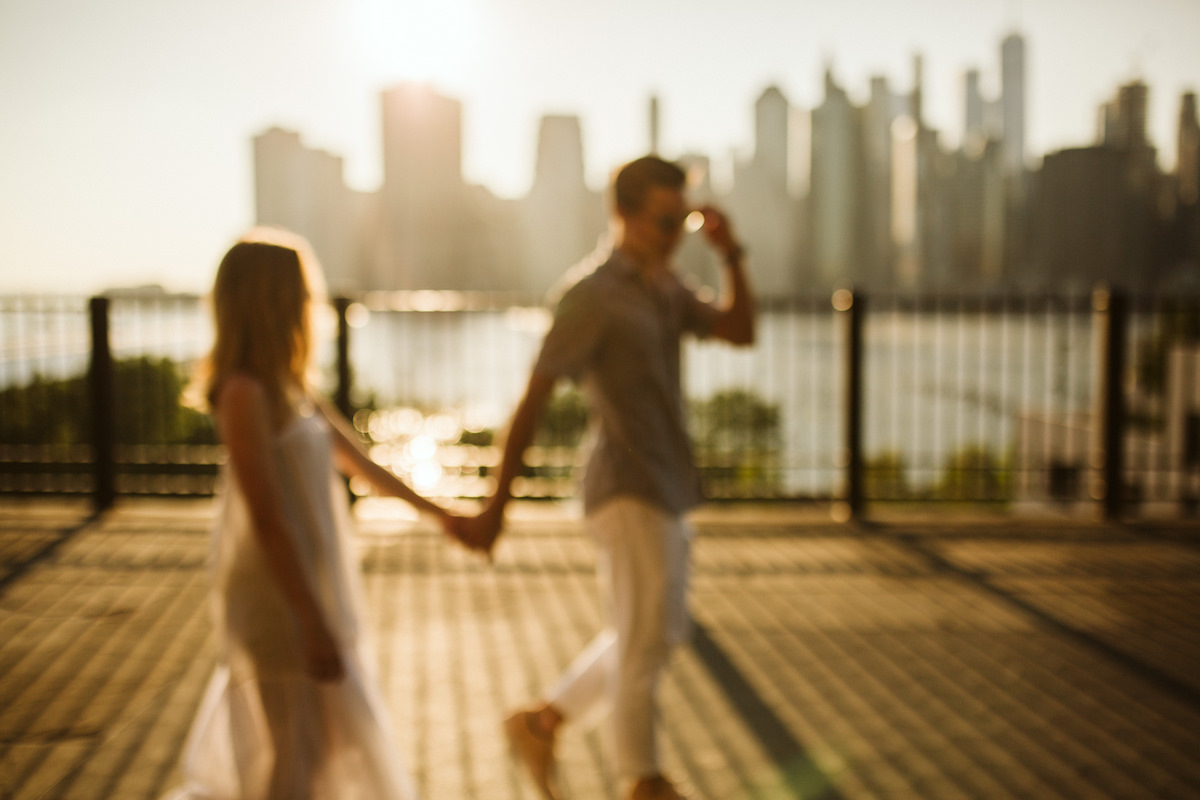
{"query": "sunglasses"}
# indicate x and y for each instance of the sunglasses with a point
(670, 223)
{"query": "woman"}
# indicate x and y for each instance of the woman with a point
(293, 709)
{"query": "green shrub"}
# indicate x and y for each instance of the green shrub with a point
(885, 477)
(738, 442)
(146, 401)
(974, 472)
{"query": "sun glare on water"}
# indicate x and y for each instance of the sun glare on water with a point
(417, 40)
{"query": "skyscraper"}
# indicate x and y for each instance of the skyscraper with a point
(1123, 119)
(989, 188)
(771, 112)
(563, 217)
(1187, 159)
(654, 125)
(1012, 140)
(1187, 175)
(975, 214)
(302, 189)
(973, 106)
(878, 116)
(1095, 219)
(835, 199)
(922, 197)
(1012, 102)
(423, 195)
(760, 201)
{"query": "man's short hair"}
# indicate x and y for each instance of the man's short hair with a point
(634, 180)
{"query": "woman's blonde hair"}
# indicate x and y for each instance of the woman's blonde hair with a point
(263, 303)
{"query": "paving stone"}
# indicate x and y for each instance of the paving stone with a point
(913, 659)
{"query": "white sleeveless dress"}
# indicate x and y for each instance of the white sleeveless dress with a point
(330, 740)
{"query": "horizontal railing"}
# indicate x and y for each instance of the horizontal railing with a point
(1016, 400)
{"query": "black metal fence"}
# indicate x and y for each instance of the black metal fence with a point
(1021, 401)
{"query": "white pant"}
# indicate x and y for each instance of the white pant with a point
(642, 565)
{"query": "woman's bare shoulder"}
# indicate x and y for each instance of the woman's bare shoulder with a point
(239, 392)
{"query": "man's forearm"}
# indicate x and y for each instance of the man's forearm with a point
(520, 435)
(739, 312)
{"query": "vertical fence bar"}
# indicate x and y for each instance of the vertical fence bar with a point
(1109, 311)
(341, 392)
(344, 377)
(100, 391)
(851, 306)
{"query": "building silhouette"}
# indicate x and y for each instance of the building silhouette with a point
(1187, 154)
(760, 200)
(1094, 220)
(837, 195)
(423, 197)
(1012, 102)
(655, 131)
(891, 206)
(1097, 212)
(1122, 120)
(303, 189)
(922, 197)
(563, 217)
(836, 188)
(1184, 248)
(877, 253)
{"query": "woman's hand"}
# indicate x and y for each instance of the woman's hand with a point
(480, 532)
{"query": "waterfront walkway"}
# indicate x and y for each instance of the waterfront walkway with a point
(982, 658)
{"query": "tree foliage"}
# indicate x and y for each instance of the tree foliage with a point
(738, 441)
(146, 395)
(974, 472)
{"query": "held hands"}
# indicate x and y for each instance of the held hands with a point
(478, 533)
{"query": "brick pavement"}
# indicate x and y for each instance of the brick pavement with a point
(913, 659)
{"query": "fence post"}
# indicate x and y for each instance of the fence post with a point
(1109, 312)
(851, 305)
(100, 400)
(342, 394)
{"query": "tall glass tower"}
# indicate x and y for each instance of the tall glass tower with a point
(1012, 100)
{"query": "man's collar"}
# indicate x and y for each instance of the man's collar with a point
(622, 264)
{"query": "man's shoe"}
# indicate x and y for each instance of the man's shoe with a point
(534, 748)
(656, 788)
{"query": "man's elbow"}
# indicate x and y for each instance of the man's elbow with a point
(737, 335)
(743, 338)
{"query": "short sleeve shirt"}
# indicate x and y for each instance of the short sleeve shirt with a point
(620, 338)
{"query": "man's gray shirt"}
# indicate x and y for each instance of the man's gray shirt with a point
(619, 338)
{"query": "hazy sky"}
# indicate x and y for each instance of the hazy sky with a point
(125, 125)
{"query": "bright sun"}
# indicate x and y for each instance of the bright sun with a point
(419, 40)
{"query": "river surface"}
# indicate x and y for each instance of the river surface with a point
(934, 383)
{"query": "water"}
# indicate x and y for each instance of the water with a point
(934, 383)
(51, 336)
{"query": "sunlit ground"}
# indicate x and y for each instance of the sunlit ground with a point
(933, 658)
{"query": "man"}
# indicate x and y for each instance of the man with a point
(617, 331)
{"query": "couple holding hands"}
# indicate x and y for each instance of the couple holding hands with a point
(294, 709)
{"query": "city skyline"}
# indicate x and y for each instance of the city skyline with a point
(125, 146)
(840, 194)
